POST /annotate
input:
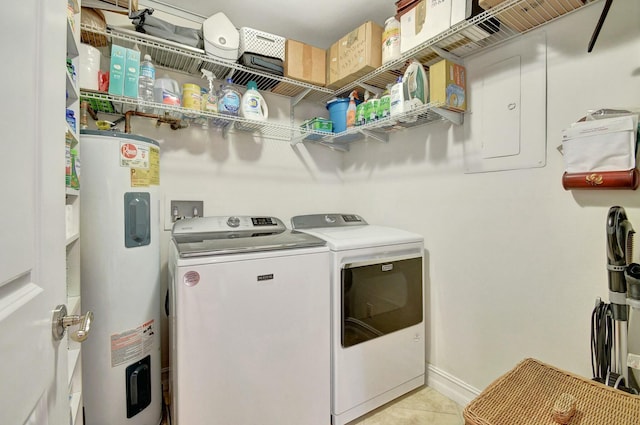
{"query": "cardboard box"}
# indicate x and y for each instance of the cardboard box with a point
(131, 73)
(448, 85)
(523, 17)
(116, 70)
(305, 63)
(354, 55)
(427, 19)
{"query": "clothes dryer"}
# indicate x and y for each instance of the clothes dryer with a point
(249, 323)
(377, 311)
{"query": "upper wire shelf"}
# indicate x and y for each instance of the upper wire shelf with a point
(190, 60)
(490, 28)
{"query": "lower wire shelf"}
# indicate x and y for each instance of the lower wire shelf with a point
(381, 129)
(378, 130)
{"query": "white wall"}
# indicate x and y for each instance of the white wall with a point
(514, 261)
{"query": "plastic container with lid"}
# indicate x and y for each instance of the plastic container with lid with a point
(166, 91)
(191, 96)
(391, 40)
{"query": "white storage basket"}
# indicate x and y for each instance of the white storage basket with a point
(261, 43)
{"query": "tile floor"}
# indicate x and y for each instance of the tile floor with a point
(423, 406)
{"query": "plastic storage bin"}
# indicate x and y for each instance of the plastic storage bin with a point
(262, 43)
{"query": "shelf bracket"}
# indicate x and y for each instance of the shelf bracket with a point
(446, 55)
(373, 89)
(380, 137)
(341, 147)
(452, 116)
(295, 140)
(298, 98)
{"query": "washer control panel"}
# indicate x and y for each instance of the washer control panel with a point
(234, 223)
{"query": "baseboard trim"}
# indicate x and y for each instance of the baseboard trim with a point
(450, 386)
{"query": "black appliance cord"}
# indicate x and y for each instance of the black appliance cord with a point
(602, 341)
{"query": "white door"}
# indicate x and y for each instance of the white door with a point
(33, 367)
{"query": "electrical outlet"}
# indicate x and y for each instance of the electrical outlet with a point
(185, 209)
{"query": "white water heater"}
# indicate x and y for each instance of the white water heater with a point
(120, 274)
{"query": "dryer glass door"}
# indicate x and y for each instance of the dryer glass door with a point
(379, 298)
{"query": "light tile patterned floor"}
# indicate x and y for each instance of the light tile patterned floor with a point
(424, 406)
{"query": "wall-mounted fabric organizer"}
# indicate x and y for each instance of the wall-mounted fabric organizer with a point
(601, 153)
(602, 180)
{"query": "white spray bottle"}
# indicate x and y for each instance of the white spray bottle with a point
(210, 104)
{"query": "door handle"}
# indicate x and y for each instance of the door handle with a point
(61, 321)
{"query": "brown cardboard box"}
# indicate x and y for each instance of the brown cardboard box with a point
(529, 14)
(448, 85)
(354, 55)
(305, 63)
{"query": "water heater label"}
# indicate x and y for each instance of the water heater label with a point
(145, 177)
(133, 155)
(132, 344)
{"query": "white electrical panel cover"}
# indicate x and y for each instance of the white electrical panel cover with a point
(506, 128)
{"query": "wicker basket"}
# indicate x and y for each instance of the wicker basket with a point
(527, 395)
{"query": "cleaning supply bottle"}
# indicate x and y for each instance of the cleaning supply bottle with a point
(253, 106)
(229, 99)
(209, 98)
(384, 108)
(210, 101)
(397, 98)
(351, 110)
(146, 82)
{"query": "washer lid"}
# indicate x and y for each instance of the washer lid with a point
(349, 231)
(207, 236)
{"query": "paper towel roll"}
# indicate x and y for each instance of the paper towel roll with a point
(89, 66)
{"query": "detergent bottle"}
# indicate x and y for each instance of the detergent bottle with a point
(397, 98)
(351, 110)
(253, 105)
(229, 99)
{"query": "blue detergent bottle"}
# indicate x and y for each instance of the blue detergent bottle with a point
(229, 99)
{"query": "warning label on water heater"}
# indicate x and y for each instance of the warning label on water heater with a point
(132, 344)
(134, 156)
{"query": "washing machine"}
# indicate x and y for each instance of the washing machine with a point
(249, 319)
(377, 311)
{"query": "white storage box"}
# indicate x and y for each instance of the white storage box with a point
(261, 43)
(427, 19)
(221, 37)
(602, 145)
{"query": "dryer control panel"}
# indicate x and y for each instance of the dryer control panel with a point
(326, 220)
